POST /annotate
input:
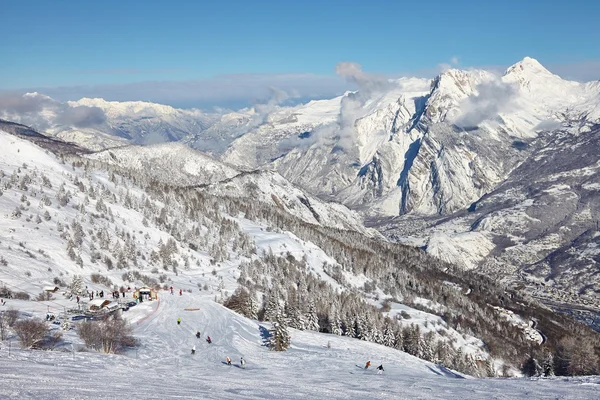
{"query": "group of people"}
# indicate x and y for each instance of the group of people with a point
(209, 341)
(180, 291)
(379, 369)
(242, 361)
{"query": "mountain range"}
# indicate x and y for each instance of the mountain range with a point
(491, 172)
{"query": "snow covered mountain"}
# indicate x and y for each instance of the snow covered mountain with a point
(538, 228)
(415, 155)
(417, 158)
(415, 146)
(174, 163)
(119, 225)
(98, 124)
(177, 165)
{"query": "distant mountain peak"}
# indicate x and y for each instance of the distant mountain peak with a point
(528, 65)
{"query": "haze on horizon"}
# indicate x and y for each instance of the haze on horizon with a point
(230, 54)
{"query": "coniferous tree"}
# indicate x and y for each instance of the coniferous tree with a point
(312, 319)
(252, 306)
(548, 364)
(490, 369)
(280, 337)
(389, 338)
(335, 323)
(271, 307)
(532, 367)
(445, 353)
(77, 287)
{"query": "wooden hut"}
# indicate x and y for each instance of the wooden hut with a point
(98, 304)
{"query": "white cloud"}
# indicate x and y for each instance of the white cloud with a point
(492, 98)
(29, 108)
(230, 91)
(242, 90)
(548, 125)
(343, 132)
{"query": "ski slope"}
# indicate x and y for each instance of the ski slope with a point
(163, 366)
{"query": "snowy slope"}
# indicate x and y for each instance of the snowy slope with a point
(271, 188)
(178, 165)
(36, 227)
(169, 162)
(58, 221)
(164, 368)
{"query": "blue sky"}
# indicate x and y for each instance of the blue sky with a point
(112, 45)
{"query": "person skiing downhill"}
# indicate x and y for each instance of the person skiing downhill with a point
(208, 339)
(198, 334)
(194, 349)
(243, 362)
(179, 321)
(180, 292)
(368, 364)
(380, 369)
(228, 360)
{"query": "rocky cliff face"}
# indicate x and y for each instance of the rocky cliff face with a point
(428, 148)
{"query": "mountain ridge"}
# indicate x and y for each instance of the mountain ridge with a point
(409, 155)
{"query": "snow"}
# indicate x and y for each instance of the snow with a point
(466, 248)
(192, 167)
(162, 367)
(428, 322)
(528, 327)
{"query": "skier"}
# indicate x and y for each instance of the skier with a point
(368, 364)
(208, 339)
(198, 334)
(380, 369)
(77, 299)
(228, 360)
(194, 349)
(180, 292)
(179, 321)
(171, 289)
(243, 362)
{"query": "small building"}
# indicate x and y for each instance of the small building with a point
(98, 304)
(51, 289)
(145, 293)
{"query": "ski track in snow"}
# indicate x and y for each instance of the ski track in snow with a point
(163, 366)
